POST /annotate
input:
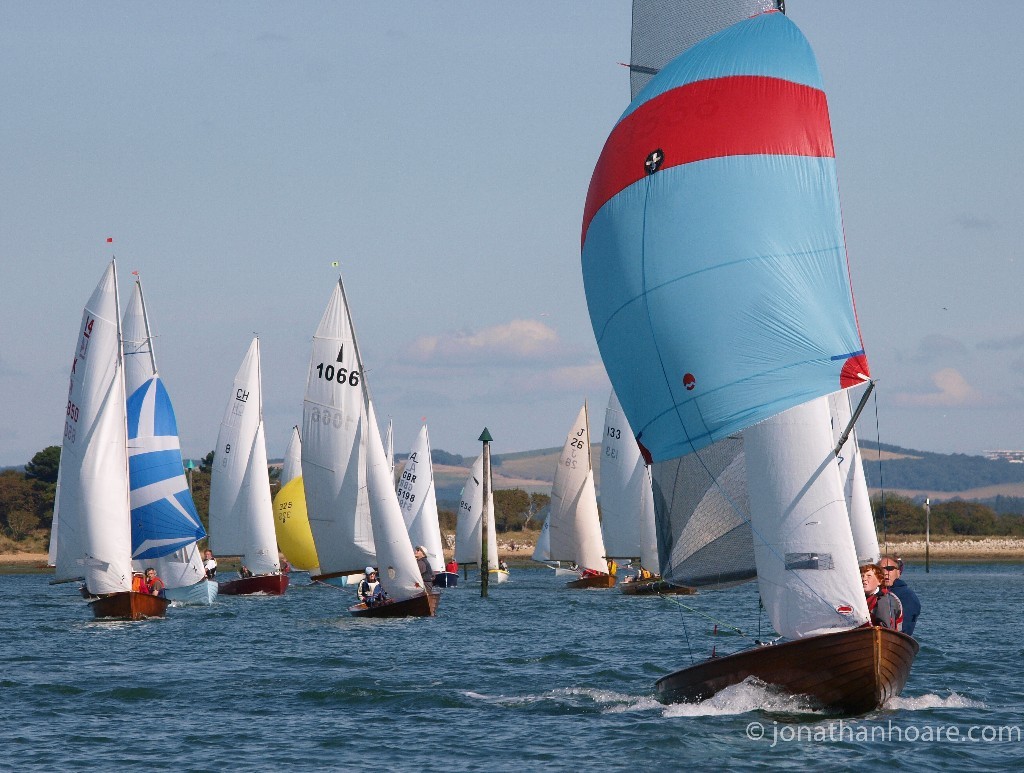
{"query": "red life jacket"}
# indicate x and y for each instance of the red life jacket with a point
(873, 602)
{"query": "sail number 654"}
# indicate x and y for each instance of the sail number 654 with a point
(341, 375)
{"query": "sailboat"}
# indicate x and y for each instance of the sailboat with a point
(291, 522)
(469, 525)
(716, 277)
(95, 540)
(419, 507)
(542, 552)
(627, 507)
(165, 524)
(350, 488)
(241, 513)
(574, 522)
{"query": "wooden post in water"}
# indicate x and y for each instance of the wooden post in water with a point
(927, 533)
(485, 438)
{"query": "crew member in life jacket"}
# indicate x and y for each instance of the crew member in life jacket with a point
(155, 584)
(369, 589)
(885, 608)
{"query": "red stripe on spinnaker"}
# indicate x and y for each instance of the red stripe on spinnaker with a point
(735, 116)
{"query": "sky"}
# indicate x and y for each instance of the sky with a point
(440, 152)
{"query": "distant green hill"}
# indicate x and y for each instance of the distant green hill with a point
(901, 468)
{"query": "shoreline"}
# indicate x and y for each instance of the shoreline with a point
(947, 550)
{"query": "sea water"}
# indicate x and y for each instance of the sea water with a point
(533, 677)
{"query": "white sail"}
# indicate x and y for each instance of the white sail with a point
(627, 500)
(418, 501)
(806, 565)
(139, 357)
(389, 447)
(241, 513)
(855, 486)
(542, 551)
(469, 525)
(334, 445)
(291, 468)
(399, 573)
(575, 523)
(95, 527)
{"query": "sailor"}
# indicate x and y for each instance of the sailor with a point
(426, 572)
(885, 608)
(368, 586)
(209, 564)
(154, 584)
(892, 569)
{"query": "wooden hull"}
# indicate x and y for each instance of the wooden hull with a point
(201, 593)
(129, 605)
(270, 584)
(655, 588)
(418, 606)
(446, 579)
(595, 581)
(851, 672)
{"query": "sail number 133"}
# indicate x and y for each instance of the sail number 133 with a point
(341, 375)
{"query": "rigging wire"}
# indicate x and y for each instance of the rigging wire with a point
(881, 481)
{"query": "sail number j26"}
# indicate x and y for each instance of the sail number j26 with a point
(341, 375)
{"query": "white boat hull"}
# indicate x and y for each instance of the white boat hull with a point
(201, 593)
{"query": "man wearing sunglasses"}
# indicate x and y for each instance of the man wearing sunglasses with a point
(892, 568)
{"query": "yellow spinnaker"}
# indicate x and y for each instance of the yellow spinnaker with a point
(291, 523)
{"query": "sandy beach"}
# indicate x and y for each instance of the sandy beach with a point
(995, 548)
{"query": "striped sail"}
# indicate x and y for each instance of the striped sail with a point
(164, 517)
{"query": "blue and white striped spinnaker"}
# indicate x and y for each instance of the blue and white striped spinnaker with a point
(164, 518)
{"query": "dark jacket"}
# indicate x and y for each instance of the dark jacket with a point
(886, 610)
(911, 604)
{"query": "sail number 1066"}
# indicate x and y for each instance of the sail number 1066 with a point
(341, 375)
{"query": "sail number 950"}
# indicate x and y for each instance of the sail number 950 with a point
(341, 375)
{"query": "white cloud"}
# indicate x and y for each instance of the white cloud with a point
(515, 342)
(951, 389)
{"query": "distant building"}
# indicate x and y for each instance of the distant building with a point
(1014, 457)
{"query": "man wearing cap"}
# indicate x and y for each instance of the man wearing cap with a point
(892, 568)
(368, 586)
(426, 572)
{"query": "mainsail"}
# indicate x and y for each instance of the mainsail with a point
(719, 292)
(335, 433)
(469, 522)
(93, 500)
(663, 29)
(418, 501)
(241, 513)
(627, 500)
(575, 525)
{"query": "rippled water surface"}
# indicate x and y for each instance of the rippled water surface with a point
(535, 676)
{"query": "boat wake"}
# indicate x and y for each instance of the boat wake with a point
(932, 701)
(749, 695)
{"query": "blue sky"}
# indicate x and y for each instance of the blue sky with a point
(441, 153)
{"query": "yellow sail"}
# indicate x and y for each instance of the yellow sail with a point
(291, 523)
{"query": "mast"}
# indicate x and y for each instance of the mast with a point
(485, 438)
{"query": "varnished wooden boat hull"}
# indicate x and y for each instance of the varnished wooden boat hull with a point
(446, 580)
(596, 581)
(851, 672)
(129, 605)
(270, 584)
(424, 605)
(655, 588)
